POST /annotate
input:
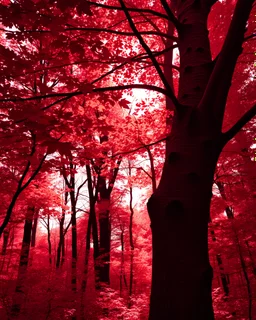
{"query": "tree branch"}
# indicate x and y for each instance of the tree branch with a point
(114, 175)
(150, 54)
(138, 148)
(171, 16)
(155, 13)
(253, 35)
(76, 93)
(216, 92)
(79, 188)
(228, 135)
(122, 33)
(34, 173)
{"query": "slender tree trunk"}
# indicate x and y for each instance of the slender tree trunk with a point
(122, 266)
(61, 249)
(34, 229)
(86, 267)
(74, 241)
(251, 257)
(92, 225)
(131, 238)
(224, 277)
(105, 231)
(87, 254)
(20, 289)
(246, 276)
(152, 167)
(49, 239)
(6, 234)
(230, 215)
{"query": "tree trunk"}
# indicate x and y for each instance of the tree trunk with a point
(5, 241)
(105, 232)
(131, 236)
(92, 226)
(61, 249)
(49, 239)
(179, 213)
(19, 294)
(224, 277)
(74, 239)
(122, 266)
(34, 229)
(179, 209)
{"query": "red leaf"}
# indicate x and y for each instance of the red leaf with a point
(124, 103)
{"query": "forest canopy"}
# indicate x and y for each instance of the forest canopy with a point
(127, 163)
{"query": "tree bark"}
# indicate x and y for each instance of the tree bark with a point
(179, 213)
(179, 209)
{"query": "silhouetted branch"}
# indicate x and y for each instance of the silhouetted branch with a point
(138, 148)
(155, 13)
(151, 56)
(168, 10)
(228, 135)
(76, 93)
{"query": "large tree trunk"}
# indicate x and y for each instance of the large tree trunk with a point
(179, 213)
(179, 208)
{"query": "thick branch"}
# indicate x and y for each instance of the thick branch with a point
(170, 14)
(76, 93)
(239, 125)
(34, 173)
(217, 89)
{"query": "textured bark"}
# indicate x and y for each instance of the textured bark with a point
(179, 208)
(179, 213)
